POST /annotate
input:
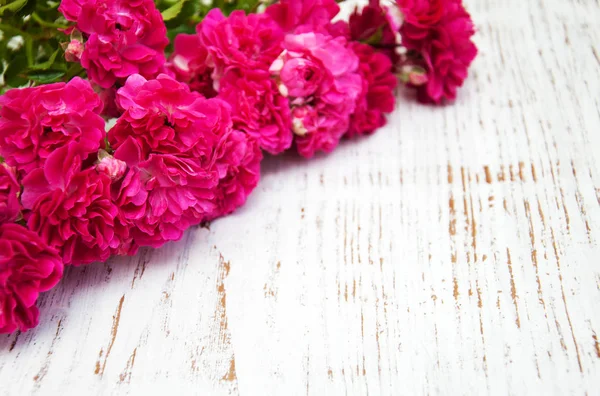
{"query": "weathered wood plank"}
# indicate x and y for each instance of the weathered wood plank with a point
(454, 252)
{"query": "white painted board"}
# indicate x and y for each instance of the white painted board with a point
(454, 252)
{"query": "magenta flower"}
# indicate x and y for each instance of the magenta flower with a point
(189, 64)
(375, 25)
(71, 209)
(164, 116)
(317, 130)
(130, 196)
(108, 98)
(176, 146)
(422, 13)
(303, 16)
(372, 24)
(258, 108)
(377, 95)
(10, 190)
(124, 37)
(440, 32)
(239, 41)
(34, 122)
(318, 73)
(302, 76)
(238, 160)
(28, 266)
(162, 195)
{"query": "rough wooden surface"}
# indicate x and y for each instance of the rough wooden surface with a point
(455, 252)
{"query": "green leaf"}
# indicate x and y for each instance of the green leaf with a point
(375, 38)
(173, 11)
(28, 8)
(74, 70)
(13, 6)
(47, 24)
(189, 9)
(29, 50)
(13, 75)
(12, 31)
(53, 4)
(46, 65)
(46, 77)
(187, 29)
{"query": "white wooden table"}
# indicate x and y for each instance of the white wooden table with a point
(454, 252)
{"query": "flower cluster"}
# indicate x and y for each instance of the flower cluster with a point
(429, 43)
(179, 152)
(190, 127)
(123, 37)
(28, 266)
(171, 161)
(439, 33)
(35, 122)
(10, 205)
(291, 75)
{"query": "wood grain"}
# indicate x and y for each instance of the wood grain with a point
(454, 252)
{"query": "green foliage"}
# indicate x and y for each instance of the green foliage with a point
(173, 11)
(229, 6)
(12, 6)
(32, 43)
(190, 12)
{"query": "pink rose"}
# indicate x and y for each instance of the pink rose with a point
(10, 190)
(303, 16)
(27, 267)
(170, 139)
(131, 197)
(302, 117)
(34, 122)
(71, 209)
(123, 38)
(318, 129)
(318, 73)
(340, 82)
(238, 159)
(109, 59)
(375, 25)
(73, 51)
(422, 13)
(301, 77)
(162, 115)
(258, 108)
(440, 33)
(163, 195)
(71, 9)
(189, 64)
(239, 41)
(377, 96)
(340, 28)
(110, 166)
(108, 98)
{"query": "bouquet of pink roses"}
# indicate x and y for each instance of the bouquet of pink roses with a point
(125, 122)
